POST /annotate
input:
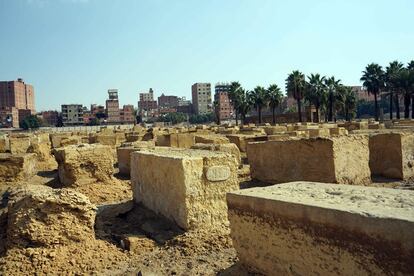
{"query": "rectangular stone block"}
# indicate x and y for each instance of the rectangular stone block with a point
(4, 144)
(391, 155)
(304, 228)
(56, 138)
(108, 139)
(14, 167)
(228, 148)
(84, 164)
(187, 186)
(332, 160)
(241, 140)
(124, 154)
(318, 132)
(182, 140)
(211, 139)
(19, 143)
(337, 131)
(272, 130)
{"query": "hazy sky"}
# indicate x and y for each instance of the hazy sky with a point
(72, 51)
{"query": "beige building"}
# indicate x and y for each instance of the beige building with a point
(201, 96)
(146, 103)
(112, 107)
(72, 114)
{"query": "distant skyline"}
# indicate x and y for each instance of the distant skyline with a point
(73, 51)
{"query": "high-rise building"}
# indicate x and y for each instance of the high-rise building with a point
(201, 96)
(146, 102)
(97, 109)
(72, 114)
(50, 118)
(184, 106)
(223, 106)
(16, 96)
(167, 101)
(112, 107)
(127, 114)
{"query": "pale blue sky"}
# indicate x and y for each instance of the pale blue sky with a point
(72, 51)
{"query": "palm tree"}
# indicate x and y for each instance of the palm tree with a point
(295, 86)
(234, 95)
(410, 65)
(339, 100)
(259, 99)
(410, 68)
(404, 82)
(391, 75)
(274, 95)
(332, 86)
(245, 104)
(216, 105)
(316, 92)
(350, 100)
(373, 81)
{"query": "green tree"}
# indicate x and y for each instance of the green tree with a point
(349, 101)
(404, 83)
(410, 68)
(216, 106)
(101, 115)
(295, 86)
(274, 95)
(234, 95)
(315, 92)
(94, 122)
(332, 86)
(391, 83)
(200, 119)
(373, 80)
(31, 122)
(245, 104)
(173, 118)
(259, 100)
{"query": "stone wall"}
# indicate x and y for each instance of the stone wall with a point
(304, 228)
(331, 160)
(186, 186)
(392, 155)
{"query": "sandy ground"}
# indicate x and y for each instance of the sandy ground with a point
(132, 239)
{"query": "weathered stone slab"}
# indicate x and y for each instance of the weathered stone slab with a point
(218, 173)
(392, 155)
(304, 228)
(229, 148)
(338, 131)
(82, 164)
(19, 143)
(15, 167)
(273, 130)
(331, 160)
(4, 144)
(241, 140)
(56, 138)
(211, 139)
(39, 216)
(124, 154)
(174, 183)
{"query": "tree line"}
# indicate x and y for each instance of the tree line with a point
(325, 94)
(396, 83)
(328, 95)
